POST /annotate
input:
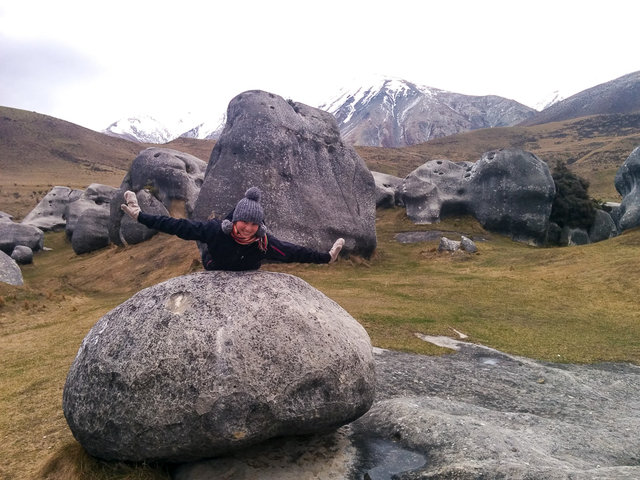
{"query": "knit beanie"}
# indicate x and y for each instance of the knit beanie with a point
(249, 209)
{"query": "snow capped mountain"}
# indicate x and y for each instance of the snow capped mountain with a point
(207, 130)
(150, 129)
(549, 99)
(392, 112)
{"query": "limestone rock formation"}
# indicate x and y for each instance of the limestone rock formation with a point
(315, 187)
(173, 177)
(49, 214)
(210, 362)
(95, 197)
(91, 231)
(22, 254)
(386, 189)
(123, 229)
(627, 184)
(603, 227)
(507, 191)
(13, 234)
(9, 270)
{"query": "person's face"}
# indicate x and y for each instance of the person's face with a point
(246, 229)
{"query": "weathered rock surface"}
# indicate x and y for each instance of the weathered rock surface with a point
(476, 413)
(123, 229)
(5, 217)
(603, 227)
(507, 191)
(95, 197)
(387, 189)
(174, 178)
(91, 231)
(49, 214)
(480, 413)
(9, 270)
(210, 362)
(627, 184)
(13, 234)
(315, 187)
(22, 254)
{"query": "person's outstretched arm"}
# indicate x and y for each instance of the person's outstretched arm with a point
(181, 227)
(289, 252)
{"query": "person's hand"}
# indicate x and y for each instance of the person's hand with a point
(130, 207)
(335, 250)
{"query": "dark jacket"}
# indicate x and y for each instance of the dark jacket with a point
(224, 253)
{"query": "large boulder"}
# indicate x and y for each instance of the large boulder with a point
(211, 362)
(9, 270)
(627, 184)
(507, 191)
(13, 234)
(6, 217)
(49, 213)
(91, 231)
(123, 230)
(173, 177)
(96, 197)
(315, 187)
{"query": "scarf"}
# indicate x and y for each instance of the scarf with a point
(247, 240)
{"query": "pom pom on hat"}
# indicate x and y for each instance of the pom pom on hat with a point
(249, 209)
(254, 194)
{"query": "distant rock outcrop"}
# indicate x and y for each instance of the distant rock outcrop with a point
(10, 271)
(627, 183)
(171, 176)
(315, 187)
(211, 362)
(49, 214)
(13, 234)
(387, 190)
(88, 218)
(507, 191)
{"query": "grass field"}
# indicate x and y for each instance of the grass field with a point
(572, 304)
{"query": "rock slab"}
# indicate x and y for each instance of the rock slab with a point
(210, 362)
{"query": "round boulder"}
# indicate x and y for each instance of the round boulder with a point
(210, 362)
(91, 231)
(22, 254)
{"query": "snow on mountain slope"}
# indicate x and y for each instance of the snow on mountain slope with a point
(392, 112)
(150, 129)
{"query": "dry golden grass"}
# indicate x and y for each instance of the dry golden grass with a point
(562, 304)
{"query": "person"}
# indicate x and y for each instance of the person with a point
(239, 242)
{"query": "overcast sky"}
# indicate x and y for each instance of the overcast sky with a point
(93, 63)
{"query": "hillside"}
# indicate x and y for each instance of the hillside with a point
(619, 96)
(38, 152)
(593, 147)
